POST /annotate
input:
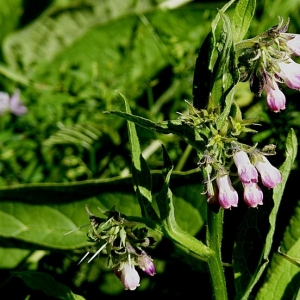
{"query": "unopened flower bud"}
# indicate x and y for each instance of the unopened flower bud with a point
(146, 263)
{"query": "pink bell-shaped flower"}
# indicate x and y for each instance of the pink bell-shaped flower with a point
(246, 171)
(290, 73)
(253, 195)
(270, 176)
(227, 195)
(275, 97)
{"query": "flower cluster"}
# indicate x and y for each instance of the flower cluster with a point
(266, 61)
(12, 104)
(123, 241)
(224, 195)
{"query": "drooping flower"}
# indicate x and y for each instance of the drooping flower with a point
(253, 195)
(275, 97)
(270, 176)
(12, 104)
(246, 171)
(290, 73)
(146, 263)
(128, 276)
(228, 196)
(293, 42)
(16, 106)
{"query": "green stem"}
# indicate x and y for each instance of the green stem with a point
(214, 238)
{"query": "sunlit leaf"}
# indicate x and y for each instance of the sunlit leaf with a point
(47, 284)
(241, 19)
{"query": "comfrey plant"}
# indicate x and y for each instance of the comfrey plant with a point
(230, 168)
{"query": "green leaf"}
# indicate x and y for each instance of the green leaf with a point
(178, 127)
(9, 16)
(47, 284)
(287, 286)
(11, 257)
(43, 225)
(78, 134)
(141, 176)
(190, 206)
(241, 19)
(42, 214)
(225, 74)
(257, 231)
(202, 83)
(293, 260)
(283, 277)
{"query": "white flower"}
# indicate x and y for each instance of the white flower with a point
(290, 73)
(129, 276)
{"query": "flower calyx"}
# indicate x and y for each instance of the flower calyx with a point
(124, 242)
(266, 61)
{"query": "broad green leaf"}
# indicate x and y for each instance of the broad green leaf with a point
(255, 237)
(283, 274)
(10, 258)
(47, 284)
(293, 260)
(241, 19)
(47, 225)
(43, 225)
(190, 206)
(283, 278)
(42, 214)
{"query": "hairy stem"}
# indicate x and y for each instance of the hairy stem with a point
(214, 238)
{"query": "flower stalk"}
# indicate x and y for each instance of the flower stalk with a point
(214, 238)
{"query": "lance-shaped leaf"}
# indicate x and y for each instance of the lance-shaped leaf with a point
(203, 75)
(191, 135)
(241, 19)
(141, 176)
(225, 72)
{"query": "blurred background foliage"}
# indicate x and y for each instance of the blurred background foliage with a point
(69, 59)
